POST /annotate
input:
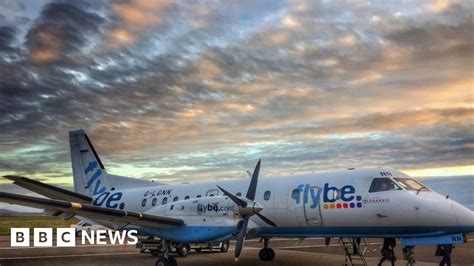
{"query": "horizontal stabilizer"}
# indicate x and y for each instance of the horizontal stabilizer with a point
(48, 190)
(91, 211)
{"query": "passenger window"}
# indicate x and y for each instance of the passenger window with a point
(153, 202)
(198, 196)
(238, 194)
(143, 202)
(176, 199)
(266, 195)
(212, 193)
(164, 201)
(187, 197)
(411, 184)
(383, 184)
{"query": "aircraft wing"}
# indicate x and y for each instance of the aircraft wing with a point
(48, 190)
(91, 211)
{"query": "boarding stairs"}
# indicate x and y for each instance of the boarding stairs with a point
(355, 250)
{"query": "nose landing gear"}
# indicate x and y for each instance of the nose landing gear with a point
(266, 253)
(409, 255)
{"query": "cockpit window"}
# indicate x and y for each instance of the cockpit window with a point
(410, 184)
(383, 184)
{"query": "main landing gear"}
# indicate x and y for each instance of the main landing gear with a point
(266, 253)
(409, 255)
(164, 259)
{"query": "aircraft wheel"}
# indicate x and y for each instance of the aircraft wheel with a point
(225, 246)
(171, 261)
(272, 254)
(183, 250)
(266, 254)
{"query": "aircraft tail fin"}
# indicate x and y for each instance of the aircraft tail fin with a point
(90, 176)
(88, 170)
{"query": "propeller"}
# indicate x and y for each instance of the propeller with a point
(247, 208)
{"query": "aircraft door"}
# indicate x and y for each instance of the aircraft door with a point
(312, 206)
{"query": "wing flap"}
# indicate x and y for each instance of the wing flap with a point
(49, 191)
(91, 211)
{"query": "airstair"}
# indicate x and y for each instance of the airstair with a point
(355, 249)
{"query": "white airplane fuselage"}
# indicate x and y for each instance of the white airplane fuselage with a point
(326, 204)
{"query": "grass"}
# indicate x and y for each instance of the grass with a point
(7, 222)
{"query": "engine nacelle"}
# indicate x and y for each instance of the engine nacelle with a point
(206, 219)
(195, 211)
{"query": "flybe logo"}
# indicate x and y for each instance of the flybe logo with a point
(203, 208)
(99, 191)
(307, 191)
(332, 197)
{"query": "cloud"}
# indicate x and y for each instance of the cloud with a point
(198, 90)
(133, 18)
(62, 30)
(7, 35)
(439, 5)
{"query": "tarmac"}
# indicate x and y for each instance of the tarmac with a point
(309, 252)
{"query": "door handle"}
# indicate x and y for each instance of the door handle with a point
(381, 215)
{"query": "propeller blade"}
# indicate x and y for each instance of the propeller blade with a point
(240, 202)
(265, 219)
(241, 238)
(253, 183)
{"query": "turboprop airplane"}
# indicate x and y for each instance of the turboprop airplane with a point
(349, 204)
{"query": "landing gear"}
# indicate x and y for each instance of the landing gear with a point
(225, 246)
(164, 258)
(183, 250)
(409, 255)
(266, 253)
(170, 261)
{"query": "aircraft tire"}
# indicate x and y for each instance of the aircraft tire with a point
(171, 261)
(272, 254)
(225, 246)
(264, 254)
(183, 250)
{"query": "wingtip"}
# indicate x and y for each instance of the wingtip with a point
(12, 177)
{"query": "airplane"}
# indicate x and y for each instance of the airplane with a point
(349, 204)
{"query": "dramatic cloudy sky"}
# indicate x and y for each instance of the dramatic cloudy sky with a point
(201, 89)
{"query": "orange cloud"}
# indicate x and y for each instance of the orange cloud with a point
(48, 48)
(123, 36)
(135, 15)
(440, 5)
(44, 55)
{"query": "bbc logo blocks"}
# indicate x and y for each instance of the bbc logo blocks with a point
(43, 237)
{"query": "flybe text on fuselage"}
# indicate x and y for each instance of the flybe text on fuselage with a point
(330, 195)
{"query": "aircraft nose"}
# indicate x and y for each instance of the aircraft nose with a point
(464, 216)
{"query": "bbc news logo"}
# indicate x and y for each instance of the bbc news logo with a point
(66, 237)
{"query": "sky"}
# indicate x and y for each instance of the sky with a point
(199, 90)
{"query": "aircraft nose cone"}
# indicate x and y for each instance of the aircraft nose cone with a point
(464, 216)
